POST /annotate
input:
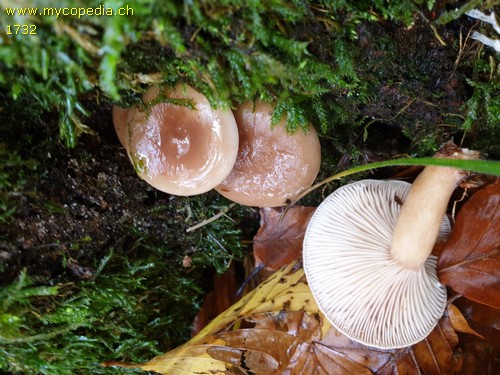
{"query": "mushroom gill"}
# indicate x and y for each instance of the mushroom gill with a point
(367, 255)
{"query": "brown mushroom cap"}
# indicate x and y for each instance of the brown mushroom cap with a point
(361, 289)
(273, 165)
(176, 149)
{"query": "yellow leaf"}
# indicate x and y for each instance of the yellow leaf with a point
(187, 359)
(278, 328)
(285, 290)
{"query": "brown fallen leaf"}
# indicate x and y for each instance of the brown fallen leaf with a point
(436, 354)
(279, 239)
(459, 322)
(219, 299)
(479, 358)
(483, 319)
(288, 345)
(470, 260)
(278, 328)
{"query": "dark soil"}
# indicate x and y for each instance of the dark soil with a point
(82, 198)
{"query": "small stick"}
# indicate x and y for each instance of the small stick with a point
(213, 218)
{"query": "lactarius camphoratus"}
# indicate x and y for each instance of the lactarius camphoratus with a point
(177, 149)
(272, 165)
(367, 255)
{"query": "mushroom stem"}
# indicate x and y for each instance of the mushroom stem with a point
(422, 213)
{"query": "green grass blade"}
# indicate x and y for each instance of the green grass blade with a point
(478, 166)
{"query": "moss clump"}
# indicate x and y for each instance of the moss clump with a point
(231, 51)
(300, 54)
(103, 253)
(61, 330)
(130, 305)
(482, 109)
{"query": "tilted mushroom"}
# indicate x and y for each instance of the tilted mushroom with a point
(367, 255)
(273, 165)
(176, 149)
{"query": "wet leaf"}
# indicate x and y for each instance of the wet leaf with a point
(219, 299)
(285, 290)
(479, 358)
(279, 239)
(482, 318)
(470, 260)
(290, 341)
(459, 322)
(278, 329)
(480, 355)
(433, 355)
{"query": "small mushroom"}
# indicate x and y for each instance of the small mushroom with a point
(272, 165)
(176, 149)
(367, 256)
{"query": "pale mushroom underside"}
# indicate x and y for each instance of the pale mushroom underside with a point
(362, 291)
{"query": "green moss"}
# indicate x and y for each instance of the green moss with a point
(482, 109)
(129, 304)
(53, 330)
(131, 310)
(295, 53)
(347, 67)
(231, 51)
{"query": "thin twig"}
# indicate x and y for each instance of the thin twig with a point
(436, 34)
(213, 218)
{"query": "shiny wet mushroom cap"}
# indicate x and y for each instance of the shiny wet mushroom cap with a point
(177, 149)
(364, 292)
(273, 165)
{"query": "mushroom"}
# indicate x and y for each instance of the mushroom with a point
(177, 149)
(272, 165)
(492, 20)
(367, 255)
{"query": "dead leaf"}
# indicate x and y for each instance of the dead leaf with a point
(482, 318)
(459, 322)
(470, 260)
(434, 355)
(291, 338)
(277, 328)
(219, 299)
(479, 358)
(279, 239)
